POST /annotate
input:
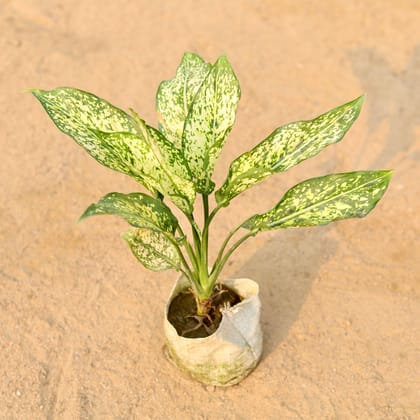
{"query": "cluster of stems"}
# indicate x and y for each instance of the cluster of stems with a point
(195, 262)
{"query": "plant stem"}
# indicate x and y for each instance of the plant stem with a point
(222, 248)
(213, 213)
(205, 238)
(196, 230)
(218, 267)
(202, 253)
(189, 250)
(181, 255)
(205, 207)
(190, 279)
(196, 233)
(191, 276)
(197, 242)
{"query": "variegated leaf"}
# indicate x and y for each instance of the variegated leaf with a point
(156, 170)
(83, 116)
(174, 97)
(140, 210)
(322, 200)
(209, 121)
(287, 146)
(153, 249)
(171, 170)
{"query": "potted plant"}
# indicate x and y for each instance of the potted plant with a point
(212, 326)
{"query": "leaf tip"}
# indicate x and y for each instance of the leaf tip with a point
(388, 174)
(223, 61)
(82, 217)
(36, 92)
(358, 103)
(188, 55)
(87, 213)
(361, 99)
(384, 173)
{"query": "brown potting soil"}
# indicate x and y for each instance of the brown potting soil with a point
(182, 313)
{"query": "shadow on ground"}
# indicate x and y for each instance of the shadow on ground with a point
(393, 99)
(285, 268)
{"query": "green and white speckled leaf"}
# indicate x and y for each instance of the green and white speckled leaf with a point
(170, 171)
(156, 160)
(121, 142)
(83, 116)
(153, 249)
(140, 210)
(286, 147)
(209, 121)
(174, 97)
(322, 200)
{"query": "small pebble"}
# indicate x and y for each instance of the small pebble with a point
(18, 393)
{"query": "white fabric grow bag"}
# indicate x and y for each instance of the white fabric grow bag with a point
(232, 351)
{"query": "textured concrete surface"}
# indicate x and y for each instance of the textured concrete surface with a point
(81, 321)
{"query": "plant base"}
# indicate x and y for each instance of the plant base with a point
(232, 351)
(183, 315)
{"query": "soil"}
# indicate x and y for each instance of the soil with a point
(81, 332)
(182, 313)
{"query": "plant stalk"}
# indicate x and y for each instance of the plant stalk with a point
(223, 247)
(189, 250)
(205, 240)
(218, 266)
(187, 269)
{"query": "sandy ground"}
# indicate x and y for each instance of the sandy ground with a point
(81, 320)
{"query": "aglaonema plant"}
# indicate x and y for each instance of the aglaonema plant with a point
(175, 163)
